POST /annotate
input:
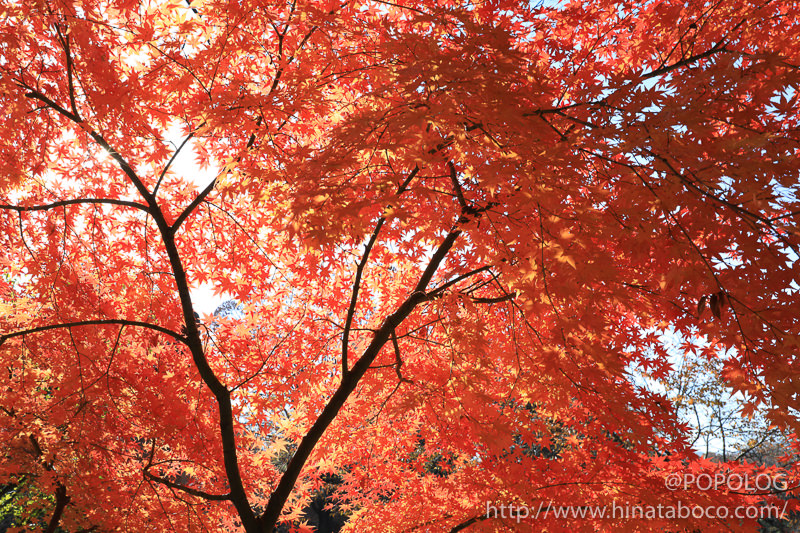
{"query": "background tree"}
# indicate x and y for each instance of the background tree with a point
(713, 411)
(434, 215)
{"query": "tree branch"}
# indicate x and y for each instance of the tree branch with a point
(36, 95)
(187, 490)
(191, 207)
(354, 297)
(359, 270)
(64, 39)
(398, 361)
(61, 503)
(441, 288)
(277, 500)
(496, 299)
(717, 48)
(222, 395)
(177, 486)
(99, 139)
(466, 523)
(147, 325)
(169, 163)
(192, 335)
(210, 187)
(62, 499)
(61, 203)
(457, 187)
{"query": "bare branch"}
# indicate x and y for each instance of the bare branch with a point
(61, 203)
(147, 325)
(398, 361)
(466, 523)
(438, 290)
(354, 297)
(457, 186)
(188, 490)
(64, 39)
(36, 95)
(496, 299)
(191, 207)
(171, 160)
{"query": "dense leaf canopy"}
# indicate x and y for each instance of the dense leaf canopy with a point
(451, 230)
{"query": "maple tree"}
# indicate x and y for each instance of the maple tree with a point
(449, 229)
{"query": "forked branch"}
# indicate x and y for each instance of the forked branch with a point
(277, 500)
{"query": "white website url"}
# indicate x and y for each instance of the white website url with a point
(625, 511)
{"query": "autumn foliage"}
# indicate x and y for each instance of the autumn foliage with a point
(449, 231)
